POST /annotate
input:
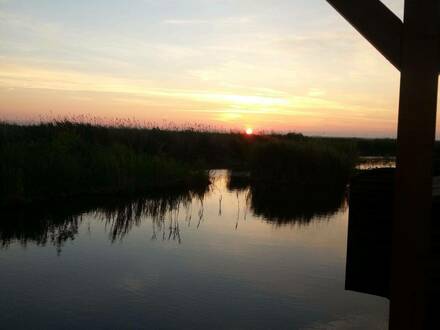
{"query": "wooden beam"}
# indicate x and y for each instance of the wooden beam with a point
(413, 47)
(379, 25)
(416, 135)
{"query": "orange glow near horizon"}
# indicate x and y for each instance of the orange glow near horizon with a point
(249, 131)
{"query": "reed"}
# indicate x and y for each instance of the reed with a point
(302, 163)
(65, 160)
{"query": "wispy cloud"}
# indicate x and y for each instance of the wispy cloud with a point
(289, 64)
(185, 22)
(222, 20)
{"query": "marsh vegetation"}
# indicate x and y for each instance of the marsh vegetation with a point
(62, 160)
(65, 159)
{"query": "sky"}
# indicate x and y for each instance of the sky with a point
(270, 65)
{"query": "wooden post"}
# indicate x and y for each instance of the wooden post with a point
(416, 138)
(414, 48)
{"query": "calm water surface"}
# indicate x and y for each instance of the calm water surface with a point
(370, 163)
(233, 258)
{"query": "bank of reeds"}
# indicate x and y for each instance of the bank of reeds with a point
(297, 163)
(65, 160)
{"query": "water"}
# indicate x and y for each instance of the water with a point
(371, 163)
(232, 258)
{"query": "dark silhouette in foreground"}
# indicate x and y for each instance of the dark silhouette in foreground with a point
(370, 237)
(413, 47)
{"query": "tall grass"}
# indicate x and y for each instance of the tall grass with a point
(65, 160)
(204, 148)
(302, 163)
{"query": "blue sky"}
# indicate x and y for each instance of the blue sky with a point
(271, 65)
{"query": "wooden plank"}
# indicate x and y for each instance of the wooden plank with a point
(379, 25)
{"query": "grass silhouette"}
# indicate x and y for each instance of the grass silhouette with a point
(65, 159)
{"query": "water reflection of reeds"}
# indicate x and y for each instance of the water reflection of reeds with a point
(299, 205)
(283, 204)
(56, 225)
(121, 218)
(39, 227)
(170, 211)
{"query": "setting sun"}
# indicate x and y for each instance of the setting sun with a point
(249, 131)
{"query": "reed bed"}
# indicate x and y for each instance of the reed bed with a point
(303, 163)
(65, 158)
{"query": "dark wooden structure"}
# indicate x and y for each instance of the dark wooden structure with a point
(413, 47)
(369, 238)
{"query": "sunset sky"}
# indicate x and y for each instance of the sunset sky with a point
(268, 65)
